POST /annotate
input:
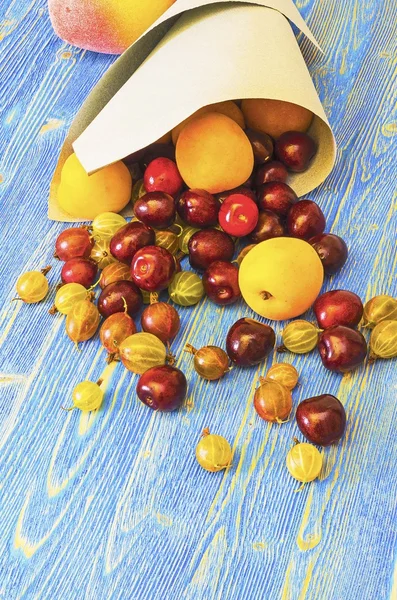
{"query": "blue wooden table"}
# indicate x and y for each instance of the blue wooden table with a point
(113, 504)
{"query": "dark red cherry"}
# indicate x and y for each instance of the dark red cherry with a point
(332, 251)
(321, 419)
(220, 282)
(338, 307)
(248, 342)
(129, 239)
(241, 189)
(209, 245)
(262, 146)
(79, 270)
(342, 348)
(271, 171)
(269, 226)
(162, 388)
(295, 150)
(305, 220)
(277, 197)
(198, 208)
(156, 209)
(118, 297)
(152, 268)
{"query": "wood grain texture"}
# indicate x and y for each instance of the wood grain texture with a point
(113, 505)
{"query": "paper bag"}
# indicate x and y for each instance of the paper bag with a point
(209, 53)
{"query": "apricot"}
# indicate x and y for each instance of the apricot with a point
(280, 278)
(104, 25)
(85, 196)
(274, 117)
(228, 108)
(213, 153)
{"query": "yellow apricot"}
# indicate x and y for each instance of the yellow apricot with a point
(85, 196)
(213, 153)
(274, 117)
(228, 108)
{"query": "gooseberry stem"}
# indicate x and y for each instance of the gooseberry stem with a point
(46, 269)
(111, 357)
(281, 349)
(93, 285)
(190, 348)
(262, 380)
(53, 310)
(170, 358)
(68, 409)
(205, 432)
(153, 298)
(296, 441)
(100, 381)
(301, 487)
(58, 286)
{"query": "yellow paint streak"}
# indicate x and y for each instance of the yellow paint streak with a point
(20, 541)
(6, 330)
(312, 540)
(51, 125)
(307, 580)
(12, 378)
(213, 555)
(286, 592)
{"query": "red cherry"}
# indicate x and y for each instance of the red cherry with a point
(162, 388)
(269, 226)
(332, 251)
(221, 282)
(162, 175)
(79, 270)
(338, 307)
(238, 215)
(341, 348)
(295, 149)
(277, 197)
(152, 268)
(156, 209)
(305, 220)
(271, 171)
(198, 208)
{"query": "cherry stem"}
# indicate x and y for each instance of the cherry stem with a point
(16, 298)
(55, 255)
(281, 349)
(205, 432)
(262, 380)
(46, 269)
(53, 310)
(68, 409)
(190, 348)
(125, 305)
(153, 297)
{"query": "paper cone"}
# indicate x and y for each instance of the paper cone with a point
(213, 52)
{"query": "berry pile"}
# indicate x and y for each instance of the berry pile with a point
(140, 259)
